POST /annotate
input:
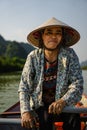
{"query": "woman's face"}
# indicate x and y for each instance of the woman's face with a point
(52, 37)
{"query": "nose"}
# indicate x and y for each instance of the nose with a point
(53, 35)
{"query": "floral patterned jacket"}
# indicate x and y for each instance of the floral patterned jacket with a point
(69, 84)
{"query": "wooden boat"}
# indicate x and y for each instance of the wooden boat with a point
(10, 119)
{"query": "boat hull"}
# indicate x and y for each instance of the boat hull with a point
(11, 127)
(10, 119)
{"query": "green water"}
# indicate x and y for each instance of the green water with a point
(8, 89)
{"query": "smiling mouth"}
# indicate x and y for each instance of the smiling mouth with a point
(53, 41)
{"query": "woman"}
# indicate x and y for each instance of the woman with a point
(51, 78)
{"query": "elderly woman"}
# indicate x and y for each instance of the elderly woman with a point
(51, 77)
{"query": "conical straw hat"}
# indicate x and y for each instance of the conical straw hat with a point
(71, 35)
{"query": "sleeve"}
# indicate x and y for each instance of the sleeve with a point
(26, 85)
(75, 90)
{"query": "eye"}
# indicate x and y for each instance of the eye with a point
(48, 33)
(59, 33)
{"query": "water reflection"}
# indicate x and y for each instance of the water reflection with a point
(8, 90)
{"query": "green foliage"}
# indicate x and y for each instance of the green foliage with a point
(84, 68)
(11, 64)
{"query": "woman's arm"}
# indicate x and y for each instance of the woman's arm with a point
(75, 89)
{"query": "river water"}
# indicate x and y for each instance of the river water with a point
(9, 86)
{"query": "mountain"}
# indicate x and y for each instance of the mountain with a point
(14, 49)
(2, 40)
(2, 45)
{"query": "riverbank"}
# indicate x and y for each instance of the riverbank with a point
(11, 64)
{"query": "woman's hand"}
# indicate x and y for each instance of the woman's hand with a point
(57, 106)
(28, 120)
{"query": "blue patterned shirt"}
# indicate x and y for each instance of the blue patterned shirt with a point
(69, 83)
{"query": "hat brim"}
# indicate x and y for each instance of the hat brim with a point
(71, 35)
